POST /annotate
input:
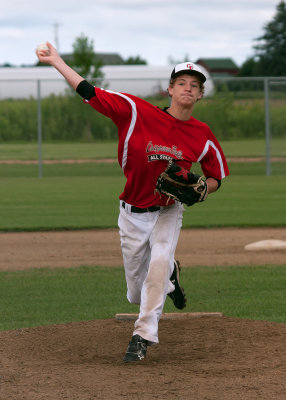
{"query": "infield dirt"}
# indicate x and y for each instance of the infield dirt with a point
(21, 250)
(203, 358)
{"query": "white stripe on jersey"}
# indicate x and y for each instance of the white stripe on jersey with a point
(131, 126)
(206, 149)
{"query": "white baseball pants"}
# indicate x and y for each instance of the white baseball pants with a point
(148, 242)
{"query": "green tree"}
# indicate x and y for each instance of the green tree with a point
(270, 51)
(249, 67)
(135, 61)
(6, 65)
(84, 60)
(174, 61)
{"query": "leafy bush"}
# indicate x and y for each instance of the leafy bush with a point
(231, 119)
(278, 125)
(67, 118)
(18, 120)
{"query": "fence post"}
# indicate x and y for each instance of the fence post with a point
(267, 127)
(39, 119)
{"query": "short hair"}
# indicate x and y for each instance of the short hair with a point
(202, 86)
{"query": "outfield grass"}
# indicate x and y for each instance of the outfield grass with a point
(59, 203)
(99, 150)
(86, 196)
(39, 297)
(253, 148)
(113, 169)
(58, 151)
(92, 202)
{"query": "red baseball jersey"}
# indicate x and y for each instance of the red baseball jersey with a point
(149, 137)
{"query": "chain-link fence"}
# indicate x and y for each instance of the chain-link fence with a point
(248, 115)
(253, 93)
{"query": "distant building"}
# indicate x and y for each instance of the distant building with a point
(105, 58)
(140, 80)
(219, 67)
(110, 58)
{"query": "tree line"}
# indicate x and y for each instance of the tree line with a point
(269, 57)
(67, 118)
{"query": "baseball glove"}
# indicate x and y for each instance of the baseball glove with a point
(181, 185)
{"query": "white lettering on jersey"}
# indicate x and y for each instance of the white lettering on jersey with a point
(156, 148)
(159, 157)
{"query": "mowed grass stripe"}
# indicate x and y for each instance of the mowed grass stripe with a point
(92, 202)
(39, 297)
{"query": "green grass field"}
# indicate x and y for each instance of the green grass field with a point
(99, 150)
(78, 202)
(58, 151)
(82, 196)
(51, 296)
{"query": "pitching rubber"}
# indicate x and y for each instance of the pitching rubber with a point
(127, 317)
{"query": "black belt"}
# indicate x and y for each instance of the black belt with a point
(142, 210)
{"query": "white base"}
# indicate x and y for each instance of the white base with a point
(270, 244)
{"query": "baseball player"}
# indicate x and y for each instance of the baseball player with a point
(150, 222)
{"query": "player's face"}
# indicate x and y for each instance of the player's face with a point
(186, 90)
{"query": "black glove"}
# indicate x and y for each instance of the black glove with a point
(181, 185)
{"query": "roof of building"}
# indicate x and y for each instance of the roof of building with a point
(110, 58)
(217, 63)
(105, 58)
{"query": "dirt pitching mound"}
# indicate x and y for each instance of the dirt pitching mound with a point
(199, 358)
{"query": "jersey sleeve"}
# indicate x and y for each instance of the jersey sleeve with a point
(114, 105)
(212, 159)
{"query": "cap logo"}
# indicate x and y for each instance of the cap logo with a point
(188, 65)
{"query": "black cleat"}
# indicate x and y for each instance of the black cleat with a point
(136, 350)
(178, 296)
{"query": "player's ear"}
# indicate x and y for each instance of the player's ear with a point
(170, 90)
(200, 95)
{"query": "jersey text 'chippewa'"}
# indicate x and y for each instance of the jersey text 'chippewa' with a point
(175, 153)
(149, 138)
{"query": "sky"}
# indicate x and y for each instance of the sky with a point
(159, 31)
